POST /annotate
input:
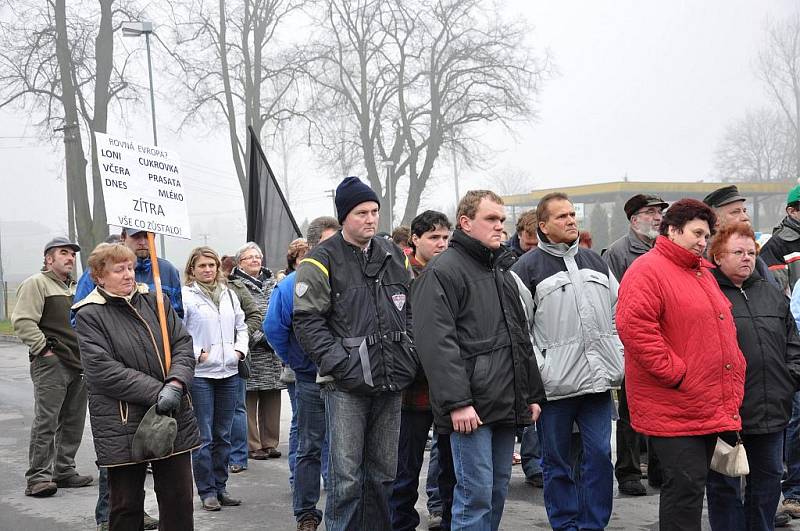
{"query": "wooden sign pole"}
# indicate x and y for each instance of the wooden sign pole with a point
(162, 316)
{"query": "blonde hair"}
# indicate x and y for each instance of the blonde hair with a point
(197, 252)
(107, 254)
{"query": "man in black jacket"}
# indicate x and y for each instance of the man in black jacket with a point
(474, 344)
(352, 317)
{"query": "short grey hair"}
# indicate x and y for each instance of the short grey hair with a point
(317, 227)
(247, 247)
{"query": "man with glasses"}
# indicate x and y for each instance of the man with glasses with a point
(644, 213)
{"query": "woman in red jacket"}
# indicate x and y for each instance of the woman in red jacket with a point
(684, 372)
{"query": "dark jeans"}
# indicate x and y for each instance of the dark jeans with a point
(482, 461)
(291, 388)
(363, 431)
(432, 481)
(531, 452)
(311, 435)
(791, 485)
(629, 459)
(214, 402)
(583, 502)
(726, 512)
(684, 466)
(173, 485)
(239, 427)
(59, 415)
(446, 479)
(414, 427)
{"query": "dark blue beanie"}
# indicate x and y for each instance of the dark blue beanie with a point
(349, 194)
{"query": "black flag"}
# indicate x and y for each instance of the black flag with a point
(269, 220)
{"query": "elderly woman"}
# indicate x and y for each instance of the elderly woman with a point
(684, 372)
(126, 373)
(214, 318)
(767, 335)
(264, 385)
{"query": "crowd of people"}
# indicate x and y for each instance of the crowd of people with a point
(684, 331)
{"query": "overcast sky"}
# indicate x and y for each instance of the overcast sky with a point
(645, 89)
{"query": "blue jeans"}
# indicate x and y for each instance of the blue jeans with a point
(531, 451)
(363, 432)
(292, 390)
(214, 404)
(585, 502)
(432, 482)
(101, 509)
(414, 427)
(482, 462)
(726, 512)
(239, 429)
(311, 435)
(791, 485)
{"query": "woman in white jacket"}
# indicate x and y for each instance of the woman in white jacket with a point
(215, 320)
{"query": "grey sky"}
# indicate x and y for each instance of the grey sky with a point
(645, 88)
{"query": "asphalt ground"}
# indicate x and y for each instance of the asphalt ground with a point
(263, 487)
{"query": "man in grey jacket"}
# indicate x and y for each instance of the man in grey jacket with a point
(644, 213)
(580, 359)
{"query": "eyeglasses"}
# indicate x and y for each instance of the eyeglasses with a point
(251, 257)
(739, 253)
(650, 212)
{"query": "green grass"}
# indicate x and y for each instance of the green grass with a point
(6, 328)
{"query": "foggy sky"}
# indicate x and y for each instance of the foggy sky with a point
(644, 89)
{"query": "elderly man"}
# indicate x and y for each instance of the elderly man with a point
(41, 320)
(644, 213)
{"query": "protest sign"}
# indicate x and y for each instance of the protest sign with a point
(142, 187)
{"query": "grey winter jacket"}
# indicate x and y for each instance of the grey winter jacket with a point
(621, 254)
(575, 339)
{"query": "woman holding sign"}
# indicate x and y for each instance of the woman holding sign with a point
(138, 403)
(214, 318)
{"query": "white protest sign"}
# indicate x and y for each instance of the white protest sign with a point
(142, 186)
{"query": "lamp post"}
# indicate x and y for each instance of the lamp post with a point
(388, 164)
(137, 29)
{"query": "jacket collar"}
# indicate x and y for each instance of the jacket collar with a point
(99, 296)
(478, 251)
(723, 280)
(561, 250)
(679, 255)
(258, 282)
(51, 275)
(636, 244)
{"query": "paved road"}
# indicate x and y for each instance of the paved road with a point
(263, 487)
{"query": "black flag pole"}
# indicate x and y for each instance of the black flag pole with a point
(270, 222)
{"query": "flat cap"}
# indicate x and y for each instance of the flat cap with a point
(61, 241)
(640, 201)
(723, 196)
(154, 437)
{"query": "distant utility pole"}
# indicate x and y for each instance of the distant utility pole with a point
(205, 236)
(455, 175)
(332, 194)
(3, 290)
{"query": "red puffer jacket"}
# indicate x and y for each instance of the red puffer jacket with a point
(684, 372)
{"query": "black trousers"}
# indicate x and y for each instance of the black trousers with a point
(685, 463)
(172, 478)
(628, 465)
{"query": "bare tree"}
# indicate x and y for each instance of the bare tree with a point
(59, 62)
(779, 69)
(757, 147)
(411, 77)
(233, 69)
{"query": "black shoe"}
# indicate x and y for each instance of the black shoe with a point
(782, 520)
(211, 504)
(226, 500)
(632, 487)
(74, 482)
(536, 480)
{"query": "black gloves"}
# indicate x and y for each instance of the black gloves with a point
(169, 399)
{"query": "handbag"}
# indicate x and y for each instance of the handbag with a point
(730, 460)
(244, 364)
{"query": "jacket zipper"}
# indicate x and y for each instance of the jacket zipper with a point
(219, 320)
(152, 338)
(123, 415)
(761, 350)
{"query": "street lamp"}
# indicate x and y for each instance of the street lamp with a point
(137, 29)
(388, 164)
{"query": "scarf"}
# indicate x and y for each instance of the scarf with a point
(213, 291)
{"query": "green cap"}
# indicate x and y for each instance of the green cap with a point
(794, 195)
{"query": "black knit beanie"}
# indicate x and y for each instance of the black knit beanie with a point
(349, 194)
